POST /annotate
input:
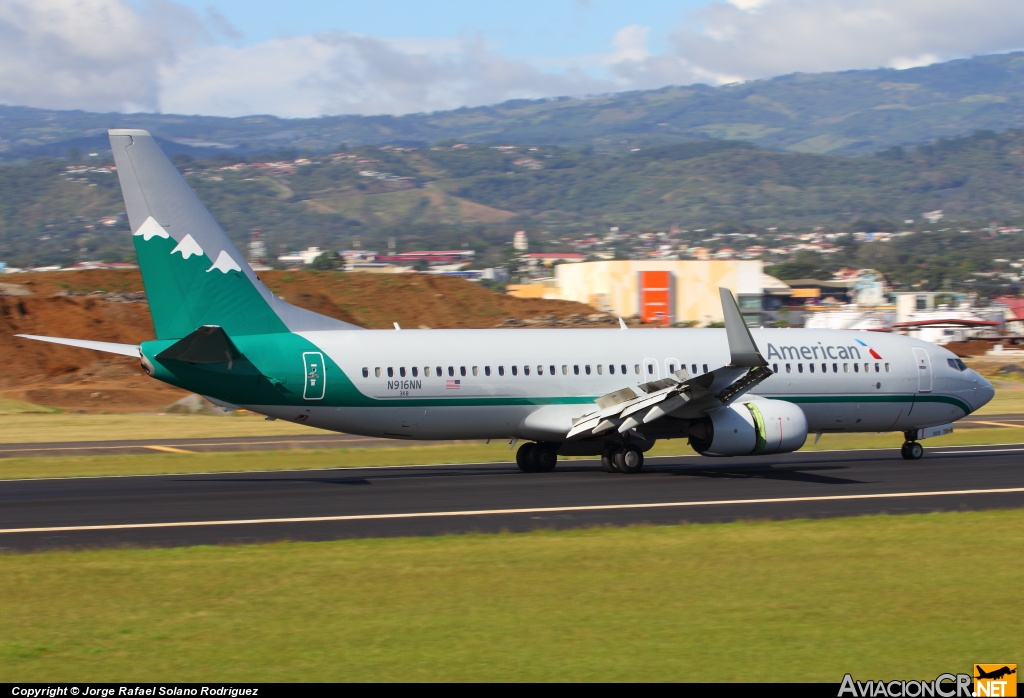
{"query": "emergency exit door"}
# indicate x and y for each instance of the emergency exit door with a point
(316, 376)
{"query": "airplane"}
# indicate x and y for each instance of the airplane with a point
(612, 393)
(994, 674)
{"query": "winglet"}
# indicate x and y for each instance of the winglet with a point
(742, 349)
(622, 324)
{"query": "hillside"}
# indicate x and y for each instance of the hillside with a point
(853, 113)
(100, 305)
(477, 196)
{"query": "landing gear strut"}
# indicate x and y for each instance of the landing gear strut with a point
(911, 450)
(537, 458)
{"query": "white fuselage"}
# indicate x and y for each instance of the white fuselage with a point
(532, 384)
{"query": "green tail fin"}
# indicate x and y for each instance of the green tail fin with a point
(193, 274)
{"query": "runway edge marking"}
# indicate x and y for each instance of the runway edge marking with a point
(494, 512)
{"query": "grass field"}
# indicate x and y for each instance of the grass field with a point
(472, 452)
(9, 407)
(30, 427)
(881, 597)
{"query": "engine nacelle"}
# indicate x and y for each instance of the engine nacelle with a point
(753, 427)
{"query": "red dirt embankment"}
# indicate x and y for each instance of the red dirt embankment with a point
(101, 305)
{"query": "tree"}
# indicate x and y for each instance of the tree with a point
(328, 261)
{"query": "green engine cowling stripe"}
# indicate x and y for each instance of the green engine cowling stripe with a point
(758, 427)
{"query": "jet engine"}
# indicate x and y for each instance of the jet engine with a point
(750, 428)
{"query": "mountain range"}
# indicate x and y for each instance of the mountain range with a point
(856, 112)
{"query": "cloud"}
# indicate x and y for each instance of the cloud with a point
(89, 54)
(129, 55)
(344, 73)
(747, 39)
(217, 21)
(630, 44)
(748, 4)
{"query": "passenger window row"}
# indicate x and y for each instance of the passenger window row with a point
(846, 367)
(551, 370)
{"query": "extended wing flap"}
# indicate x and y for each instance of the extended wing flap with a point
(685, 396)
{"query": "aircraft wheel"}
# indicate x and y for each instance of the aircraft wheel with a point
(525, 457)
(544, 458)
(912, 450)
(608, 461)
(629, 459)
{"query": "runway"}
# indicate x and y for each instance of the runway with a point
(176, 510)
(315, 439)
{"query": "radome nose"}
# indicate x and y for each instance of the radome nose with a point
(983, 393)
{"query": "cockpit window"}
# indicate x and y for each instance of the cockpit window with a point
(957, 364)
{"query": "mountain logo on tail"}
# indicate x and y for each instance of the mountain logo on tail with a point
(151, 229)
(188, 247)
(225, 263)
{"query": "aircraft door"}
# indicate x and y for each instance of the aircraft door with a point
(315, 375)
(924, 370)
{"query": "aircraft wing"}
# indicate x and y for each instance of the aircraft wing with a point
(680, 394)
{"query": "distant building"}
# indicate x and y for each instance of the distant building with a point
(659, 292)
(549, 258)
(519, 241)
(257, 248)
(307, 256)
(428, 256)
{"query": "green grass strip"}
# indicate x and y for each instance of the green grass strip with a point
(882, 597)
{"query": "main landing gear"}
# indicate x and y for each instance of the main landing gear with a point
(622, 458)
(543, 457)
(911, 449)
(537, 458)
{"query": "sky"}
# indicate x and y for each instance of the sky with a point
(307, 58)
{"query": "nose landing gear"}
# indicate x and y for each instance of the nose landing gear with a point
(911, 450)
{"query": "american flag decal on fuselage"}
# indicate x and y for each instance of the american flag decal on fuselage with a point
(452, 384)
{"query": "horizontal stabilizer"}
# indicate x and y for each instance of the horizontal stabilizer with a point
(207, 345)
(108, 347)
